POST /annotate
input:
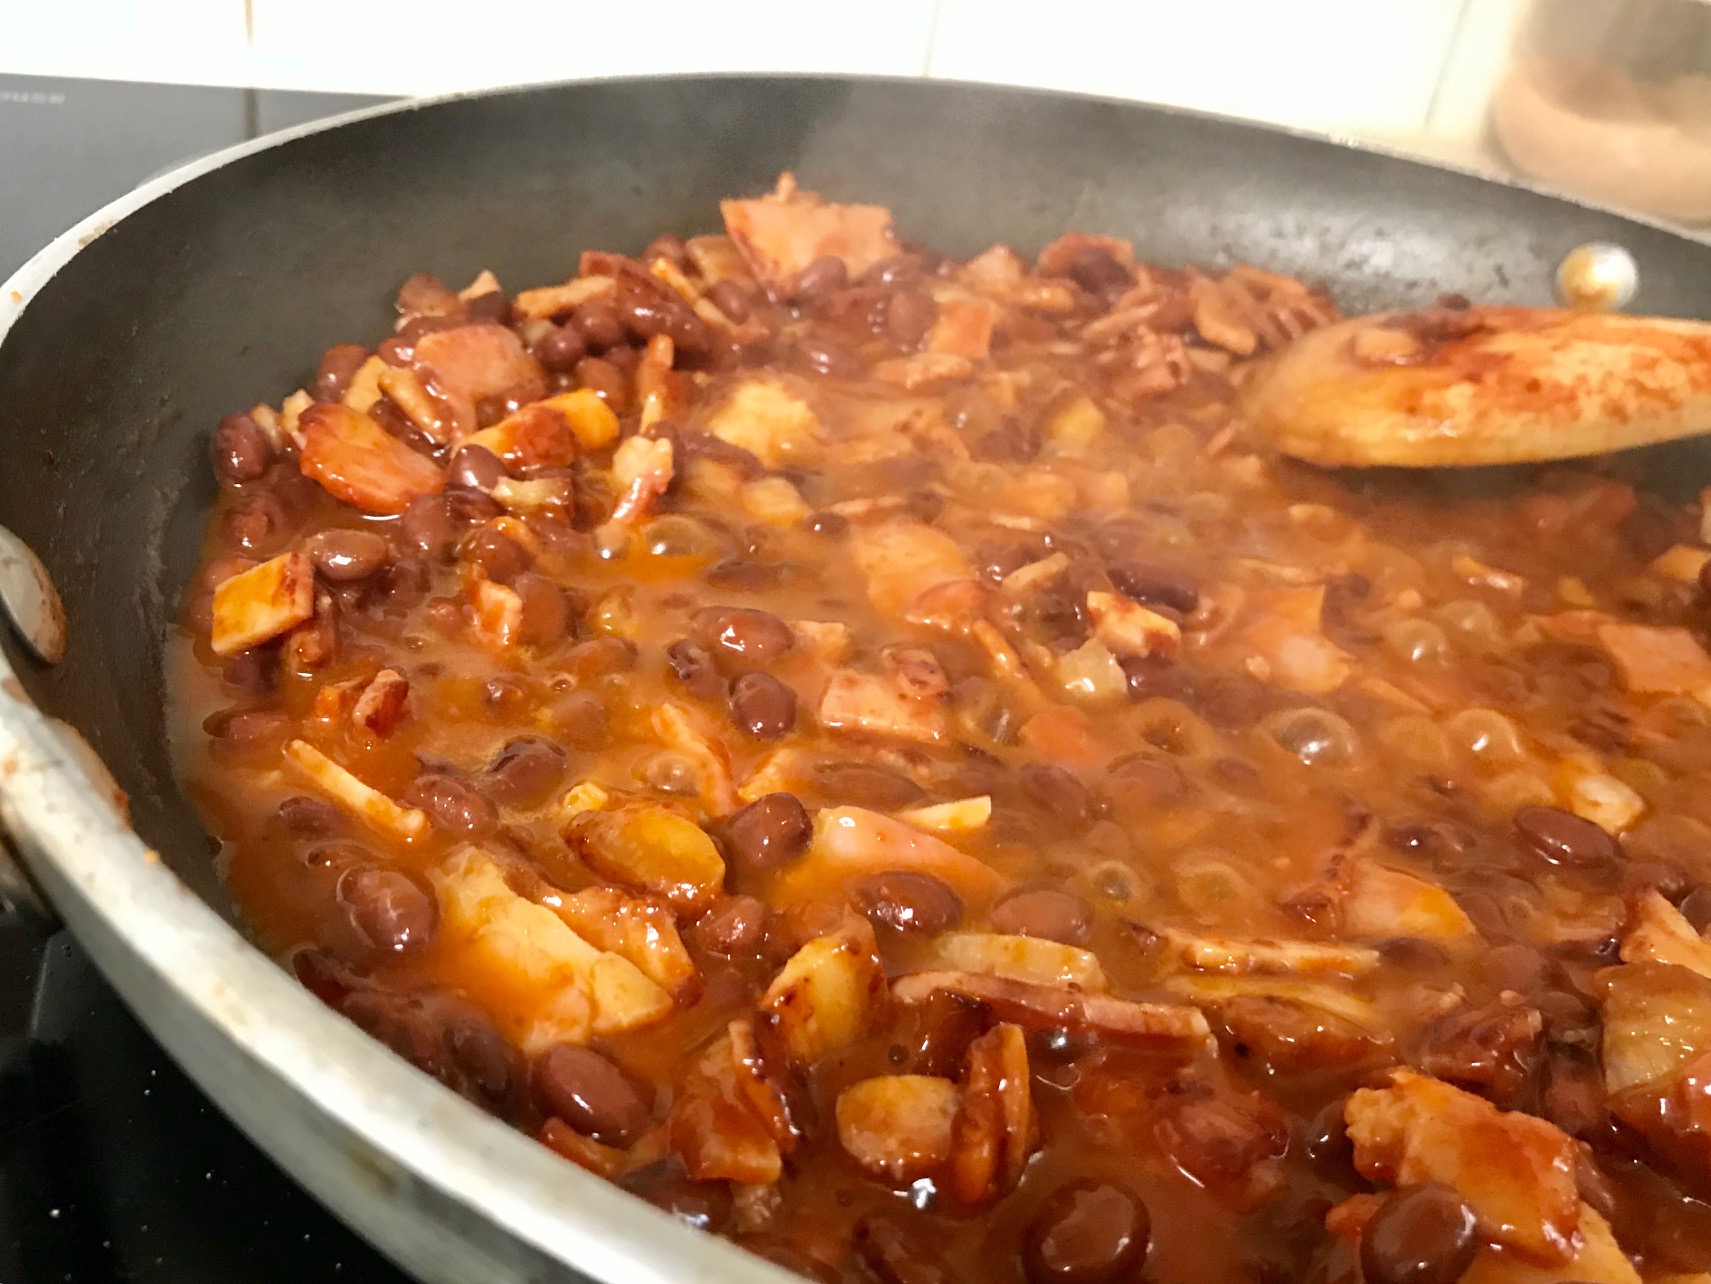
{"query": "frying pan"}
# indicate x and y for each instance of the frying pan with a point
(123, 343)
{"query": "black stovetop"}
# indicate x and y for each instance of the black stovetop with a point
(113, 1166)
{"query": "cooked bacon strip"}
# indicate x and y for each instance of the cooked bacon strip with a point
(361, 800)
(783, 232)
(263, 602)
(1117, 1020)
(358, 461)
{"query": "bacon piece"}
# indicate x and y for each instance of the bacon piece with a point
(1654, 658)
(827, 993)
(874, 705)
(550, 301)
(262, 603)
(1122, 1021)
(918, 369)
(576, 991)
(498, 614)
(903, 560)
(642, 469)
(1658, 933)
(850, 843)
(651, 849)
(1293, 958)
(537, 436)
(359, 462)
(381, 704)
(361, 800)
(1021, 958)
(638, 928)
(405, 391)
(781, 233)
(768, 420)
(1128, 628)
(469, 363)
(964, 325)
(1515, 1171)
(961, 816)
(1378, 903)
(995, 1130)
(898, 1126)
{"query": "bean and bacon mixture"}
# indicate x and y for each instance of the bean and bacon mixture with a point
(851, 746)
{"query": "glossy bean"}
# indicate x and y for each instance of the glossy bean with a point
(590, 1093)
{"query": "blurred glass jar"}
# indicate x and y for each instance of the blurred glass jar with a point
(1611, 100)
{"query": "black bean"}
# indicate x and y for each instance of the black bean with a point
(257, 525)
(731, 299)
(1060, 793)
(741, 639)
(866, 784)
(1086, 1232)
(909, 314)
(1046, 912)
(826, 523)
(908, 901)
(1696, 906)
(590, 1093)
(830, 357)
(561, 348)
(825, 275)
(694, 668)
(490, 1065)
(599, 658)
(650, 313)
(426, 527)
(1420, 1235)
(546, 609)
(239, 450)
(1098, 271)
(309, 817)
(499, 557)
(401, 1025)
(1155, 585)
(763, 706)
(493, 306)
(388, 908)
(605, 380)
(1326, 1141)
(477, 467)
(599, 323)
(343, 556)
(1566, 840)
(253, 672)
(896, 1256)
(735, 927)
(452, 804)
(580, 719)
(338, 367)
(525, 771)
(767, 834)
(466, 506)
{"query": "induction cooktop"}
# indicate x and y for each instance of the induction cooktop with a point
(113, 1166)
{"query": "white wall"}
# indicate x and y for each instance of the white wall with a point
(1374, 68)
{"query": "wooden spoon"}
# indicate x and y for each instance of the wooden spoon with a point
(1488, 385)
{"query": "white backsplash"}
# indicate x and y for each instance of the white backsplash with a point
(1405, 71)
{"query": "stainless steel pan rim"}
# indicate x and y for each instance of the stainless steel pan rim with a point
(446, 1190)
(413, 1159)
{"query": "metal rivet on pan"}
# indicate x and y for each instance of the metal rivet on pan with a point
(29, 599)
(1598, 276)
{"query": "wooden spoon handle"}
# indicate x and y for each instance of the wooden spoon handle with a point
(1490, 385)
